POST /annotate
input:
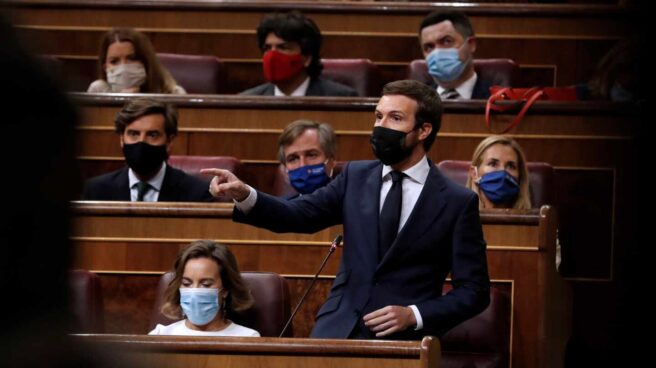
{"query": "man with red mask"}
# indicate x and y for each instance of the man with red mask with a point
(290, 45)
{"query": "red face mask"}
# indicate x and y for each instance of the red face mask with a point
(279, 67)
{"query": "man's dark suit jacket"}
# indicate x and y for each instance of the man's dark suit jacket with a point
(443, 234)
(176, 187)
(481, 89)
(318, 87)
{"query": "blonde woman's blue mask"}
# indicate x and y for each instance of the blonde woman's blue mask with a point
(499, 187)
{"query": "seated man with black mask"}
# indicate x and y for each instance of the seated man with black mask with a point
(146, 130)
(290, 45)
(307, 150)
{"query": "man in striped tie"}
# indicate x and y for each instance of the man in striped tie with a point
(448, 44)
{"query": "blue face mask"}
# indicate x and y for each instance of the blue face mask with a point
(306, 179)
(200, 305)
(499, 187)
(444, 64)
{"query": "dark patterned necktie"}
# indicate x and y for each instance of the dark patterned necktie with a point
(450, 94)
(388, 224)
(142, 189)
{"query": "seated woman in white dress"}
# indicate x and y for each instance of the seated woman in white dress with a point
(207, 284)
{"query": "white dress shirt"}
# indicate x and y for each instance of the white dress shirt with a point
(413, 183)
(465, 89)
(298, 92)
(155, 185)
(412, 186)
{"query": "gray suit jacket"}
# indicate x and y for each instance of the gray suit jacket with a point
(318, 87)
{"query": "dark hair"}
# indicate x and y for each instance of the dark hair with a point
(158, 79)
(429, 105)
(140, 107)
(294, 27)
(326, 133)
(239, 296)
(459, 20)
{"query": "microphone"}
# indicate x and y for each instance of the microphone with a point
(333, 246)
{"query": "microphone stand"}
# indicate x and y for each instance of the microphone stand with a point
(332, 249)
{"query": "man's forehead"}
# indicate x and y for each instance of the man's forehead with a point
(306, 141)
(399, 103)
(274, 39)
(439, 30)
(147, 122)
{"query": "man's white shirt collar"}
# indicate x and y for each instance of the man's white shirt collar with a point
(465, 89)
(418, 172)
(298, 92)
(155, 182)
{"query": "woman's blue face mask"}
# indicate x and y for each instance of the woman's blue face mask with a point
(200, 305)
(499, 186)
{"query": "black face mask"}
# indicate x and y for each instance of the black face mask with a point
(389, 145)
(144, 158)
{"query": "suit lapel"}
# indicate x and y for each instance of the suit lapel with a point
(168, 189)
(368, 208)
(429, 205)
(481, 90)
(315, 88)
(122, 185)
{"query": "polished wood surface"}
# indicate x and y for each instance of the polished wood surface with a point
(569, 39)
(186, 351)
(589, 144)
(130, 252)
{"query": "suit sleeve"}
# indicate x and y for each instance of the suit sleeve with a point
(92, 189)
(87, 192)
(470, 294)
(305, 214)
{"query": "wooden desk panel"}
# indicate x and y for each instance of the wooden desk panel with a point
(131, 244)
(570, 37)
(590, 145)
(572, 20)
(185, 351)
(574, 60)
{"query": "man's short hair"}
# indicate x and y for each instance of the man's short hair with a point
(140, 107)
(459, 20)
(327, 137)
(429, 105)
(294, 27)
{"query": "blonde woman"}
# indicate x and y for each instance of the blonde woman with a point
(498, 174)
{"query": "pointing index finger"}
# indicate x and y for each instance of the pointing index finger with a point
(212, 171)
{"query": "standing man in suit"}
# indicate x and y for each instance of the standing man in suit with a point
(405, 228)
(290, 45)
(448, 43)
(146, 130)
(307, 149)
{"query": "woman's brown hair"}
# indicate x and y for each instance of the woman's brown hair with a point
(239, 296)
(158, 79)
